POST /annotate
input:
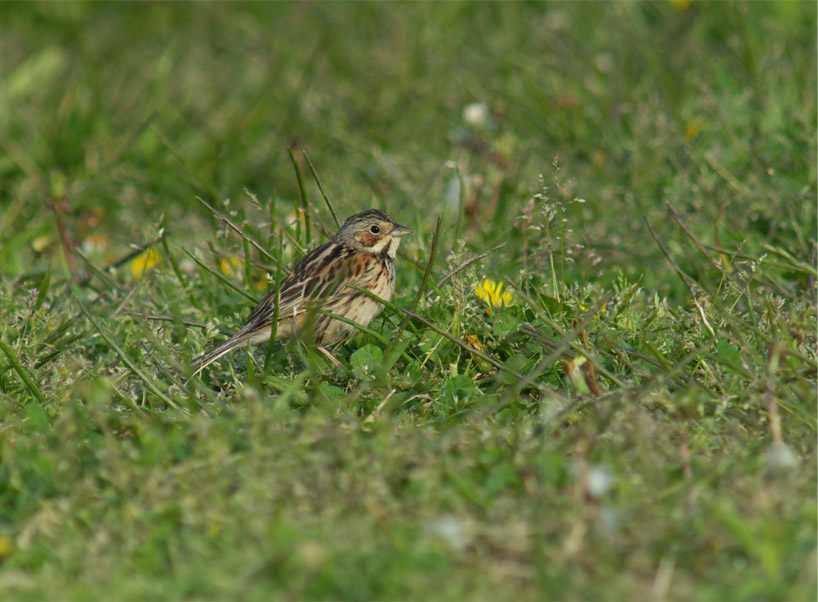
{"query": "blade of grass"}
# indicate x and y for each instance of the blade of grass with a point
(124, 357)
(694, 238)
(142, 282)
(625, 352)
(99, 273)
(662, 377)
(496, 363)
(716, 264)
(112, 266)
(227, 221)
(466, 264)
(421, 288)
(302, 191)
(221, 277)
(794, 264)
(321, 188)
(276, 308)
(273, 220)
(203, 182)
(193, 323)
(42, 290)
(461, 204)
(248, 266)
(194, 301)
(568, 338)
(59, 347)
(689, 282)
(154, 346)
(727, 316)
(28, 381)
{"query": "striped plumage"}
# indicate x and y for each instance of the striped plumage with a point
(361, 254)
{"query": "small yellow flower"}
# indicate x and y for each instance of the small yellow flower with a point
(694, 127)
(473, 342)
(40, 243)
(601, 311)
(214, 529)
(228, 265)
(680, 5)
(492, 293)
(145, 261)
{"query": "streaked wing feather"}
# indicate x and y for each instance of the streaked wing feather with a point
(309, 282)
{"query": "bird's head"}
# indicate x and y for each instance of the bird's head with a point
(372, 231)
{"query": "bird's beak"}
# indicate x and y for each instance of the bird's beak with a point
(400, 231)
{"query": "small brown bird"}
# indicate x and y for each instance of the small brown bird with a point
(361, 254)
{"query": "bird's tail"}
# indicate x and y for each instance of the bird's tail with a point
(203, 361)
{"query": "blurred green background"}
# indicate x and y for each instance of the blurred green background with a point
(133, 109)
(561, 129)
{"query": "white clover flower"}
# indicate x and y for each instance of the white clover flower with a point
(476, 114)
(452, 530)
(598, 482)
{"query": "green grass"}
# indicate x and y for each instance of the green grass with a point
(641, 422)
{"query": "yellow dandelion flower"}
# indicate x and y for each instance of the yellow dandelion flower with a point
(145, 261)
(492, 293)
(680, 5)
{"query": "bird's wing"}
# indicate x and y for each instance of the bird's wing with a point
(313, 278)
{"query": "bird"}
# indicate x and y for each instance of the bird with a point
(361, 254)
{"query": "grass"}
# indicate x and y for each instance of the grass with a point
(637, 419)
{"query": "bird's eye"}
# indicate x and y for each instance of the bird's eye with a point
(375, 229)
